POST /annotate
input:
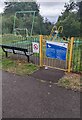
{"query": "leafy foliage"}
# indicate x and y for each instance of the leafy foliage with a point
(71, 19)
(24, 20)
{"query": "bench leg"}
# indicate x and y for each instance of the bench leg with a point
(28, 59)
(6, 54)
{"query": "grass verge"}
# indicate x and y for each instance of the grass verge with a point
(20, 67)
(71, 81)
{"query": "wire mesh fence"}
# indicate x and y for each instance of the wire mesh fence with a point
(27, 43)
(19, 43)
(51, 62)
(77, 55)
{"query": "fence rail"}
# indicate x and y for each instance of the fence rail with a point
(23, 43)
(76, 63)
(77, 55)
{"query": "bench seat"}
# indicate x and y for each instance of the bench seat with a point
(16, 50)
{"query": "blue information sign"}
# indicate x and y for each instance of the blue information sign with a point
(56, 50)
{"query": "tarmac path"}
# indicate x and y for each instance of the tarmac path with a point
(27, 97)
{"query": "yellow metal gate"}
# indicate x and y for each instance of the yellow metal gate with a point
(56, 63)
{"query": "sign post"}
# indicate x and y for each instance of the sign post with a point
(41, 53)
(70, 57)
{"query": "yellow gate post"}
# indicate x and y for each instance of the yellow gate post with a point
(41, 52)
(70, 56)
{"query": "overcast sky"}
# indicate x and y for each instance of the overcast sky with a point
(50, 9)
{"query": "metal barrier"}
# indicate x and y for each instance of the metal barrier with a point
(47, 61)
(21, 46)
(77, 55)
(73, 60)
(68, 64)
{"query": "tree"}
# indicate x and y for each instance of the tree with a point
(22, 20)
(12, 7)
(70, 6)
(79, 4)
(70, 20)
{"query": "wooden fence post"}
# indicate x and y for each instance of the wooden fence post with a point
(41, 52)
(70, 56)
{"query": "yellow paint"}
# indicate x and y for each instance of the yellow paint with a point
(41, 52)
(60, 29)
(70, 56)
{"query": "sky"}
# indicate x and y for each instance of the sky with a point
(49, 9)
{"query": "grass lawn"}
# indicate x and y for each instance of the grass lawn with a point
(17, 66)
(71, 81)
(20, 67)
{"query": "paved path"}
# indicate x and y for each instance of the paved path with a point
(26, 97)
(0, 95)
(48, 75)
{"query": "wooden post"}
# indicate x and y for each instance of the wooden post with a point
(41, 52)
(70, 56)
